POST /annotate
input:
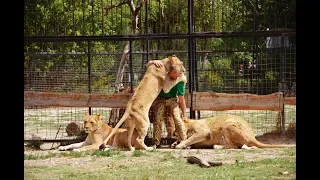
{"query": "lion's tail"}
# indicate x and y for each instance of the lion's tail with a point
(114, 130)
(262, 145)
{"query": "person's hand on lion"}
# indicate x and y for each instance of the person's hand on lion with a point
(184, 118)
(158, 63)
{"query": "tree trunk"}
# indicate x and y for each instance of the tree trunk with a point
(114, 114)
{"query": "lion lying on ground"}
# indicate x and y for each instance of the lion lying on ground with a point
(98, 131)
(222, 132)
(137, 109)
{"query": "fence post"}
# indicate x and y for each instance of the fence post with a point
(191, 54)
(130, 64)
(89, 70)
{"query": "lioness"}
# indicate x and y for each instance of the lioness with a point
(224, 131)
(137, 109)
(97, 131)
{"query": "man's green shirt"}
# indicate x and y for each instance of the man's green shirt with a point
(178, 89)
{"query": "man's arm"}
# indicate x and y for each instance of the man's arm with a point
(183, 107)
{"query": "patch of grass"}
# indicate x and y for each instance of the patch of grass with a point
(74, 154)
(271, 164)
(167, 156)
(108, 153)
(153, 150)
(137, 153)
(52, 155)
(39, 156)
(288, 152)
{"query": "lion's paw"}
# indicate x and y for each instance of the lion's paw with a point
(102, 146)
(247, 147)
(106, 149)
(180, 146)
(76, 150)
(217, 147)
(150, 148)
(173, 145)
(132, 148)
(63, 148)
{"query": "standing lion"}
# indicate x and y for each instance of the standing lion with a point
(137, 110)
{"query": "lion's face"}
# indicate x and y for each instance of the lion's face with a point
(91, 122)
(177, 69)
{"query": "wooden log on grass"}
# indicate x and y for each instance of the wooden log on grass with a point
(75, 129)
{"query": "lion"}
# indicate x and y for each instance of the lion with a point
(222, 132)
(169, 123)
(136, 114)
(98, 131)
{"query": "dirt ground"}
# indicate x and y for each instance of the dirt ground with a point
(208, 154)
(276, 139)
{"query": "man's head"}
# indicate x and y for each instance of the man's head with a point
(177, 69)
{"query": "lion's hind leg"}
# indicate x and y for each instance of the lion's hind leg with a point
(141, 134)
(129, 137)
(233, 137)
(109, 147)
(195, 138)
(248, 147)
(225, 146)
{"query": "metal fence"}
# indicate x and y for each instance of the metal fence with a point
(230, 46)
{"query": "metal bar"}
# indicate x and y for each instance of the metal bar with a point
(140, 52)
(131, 67)
(282, 77)
(191, 54)
(160, 36)
(146, 30)
(254, 46)
(92, 16)
(89, 70)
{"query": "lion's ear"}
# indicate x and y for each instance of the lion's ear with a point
(98, 117)
(170, 59)
(86, 114)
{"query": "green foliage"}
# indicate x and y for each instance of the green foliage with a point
(270, 75)
(212, 81)
(222, 63)
(242, 81)
(213, 77)
(89, 18)
(104, 82)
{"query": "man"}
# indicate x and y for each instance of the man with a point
(171, 101)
